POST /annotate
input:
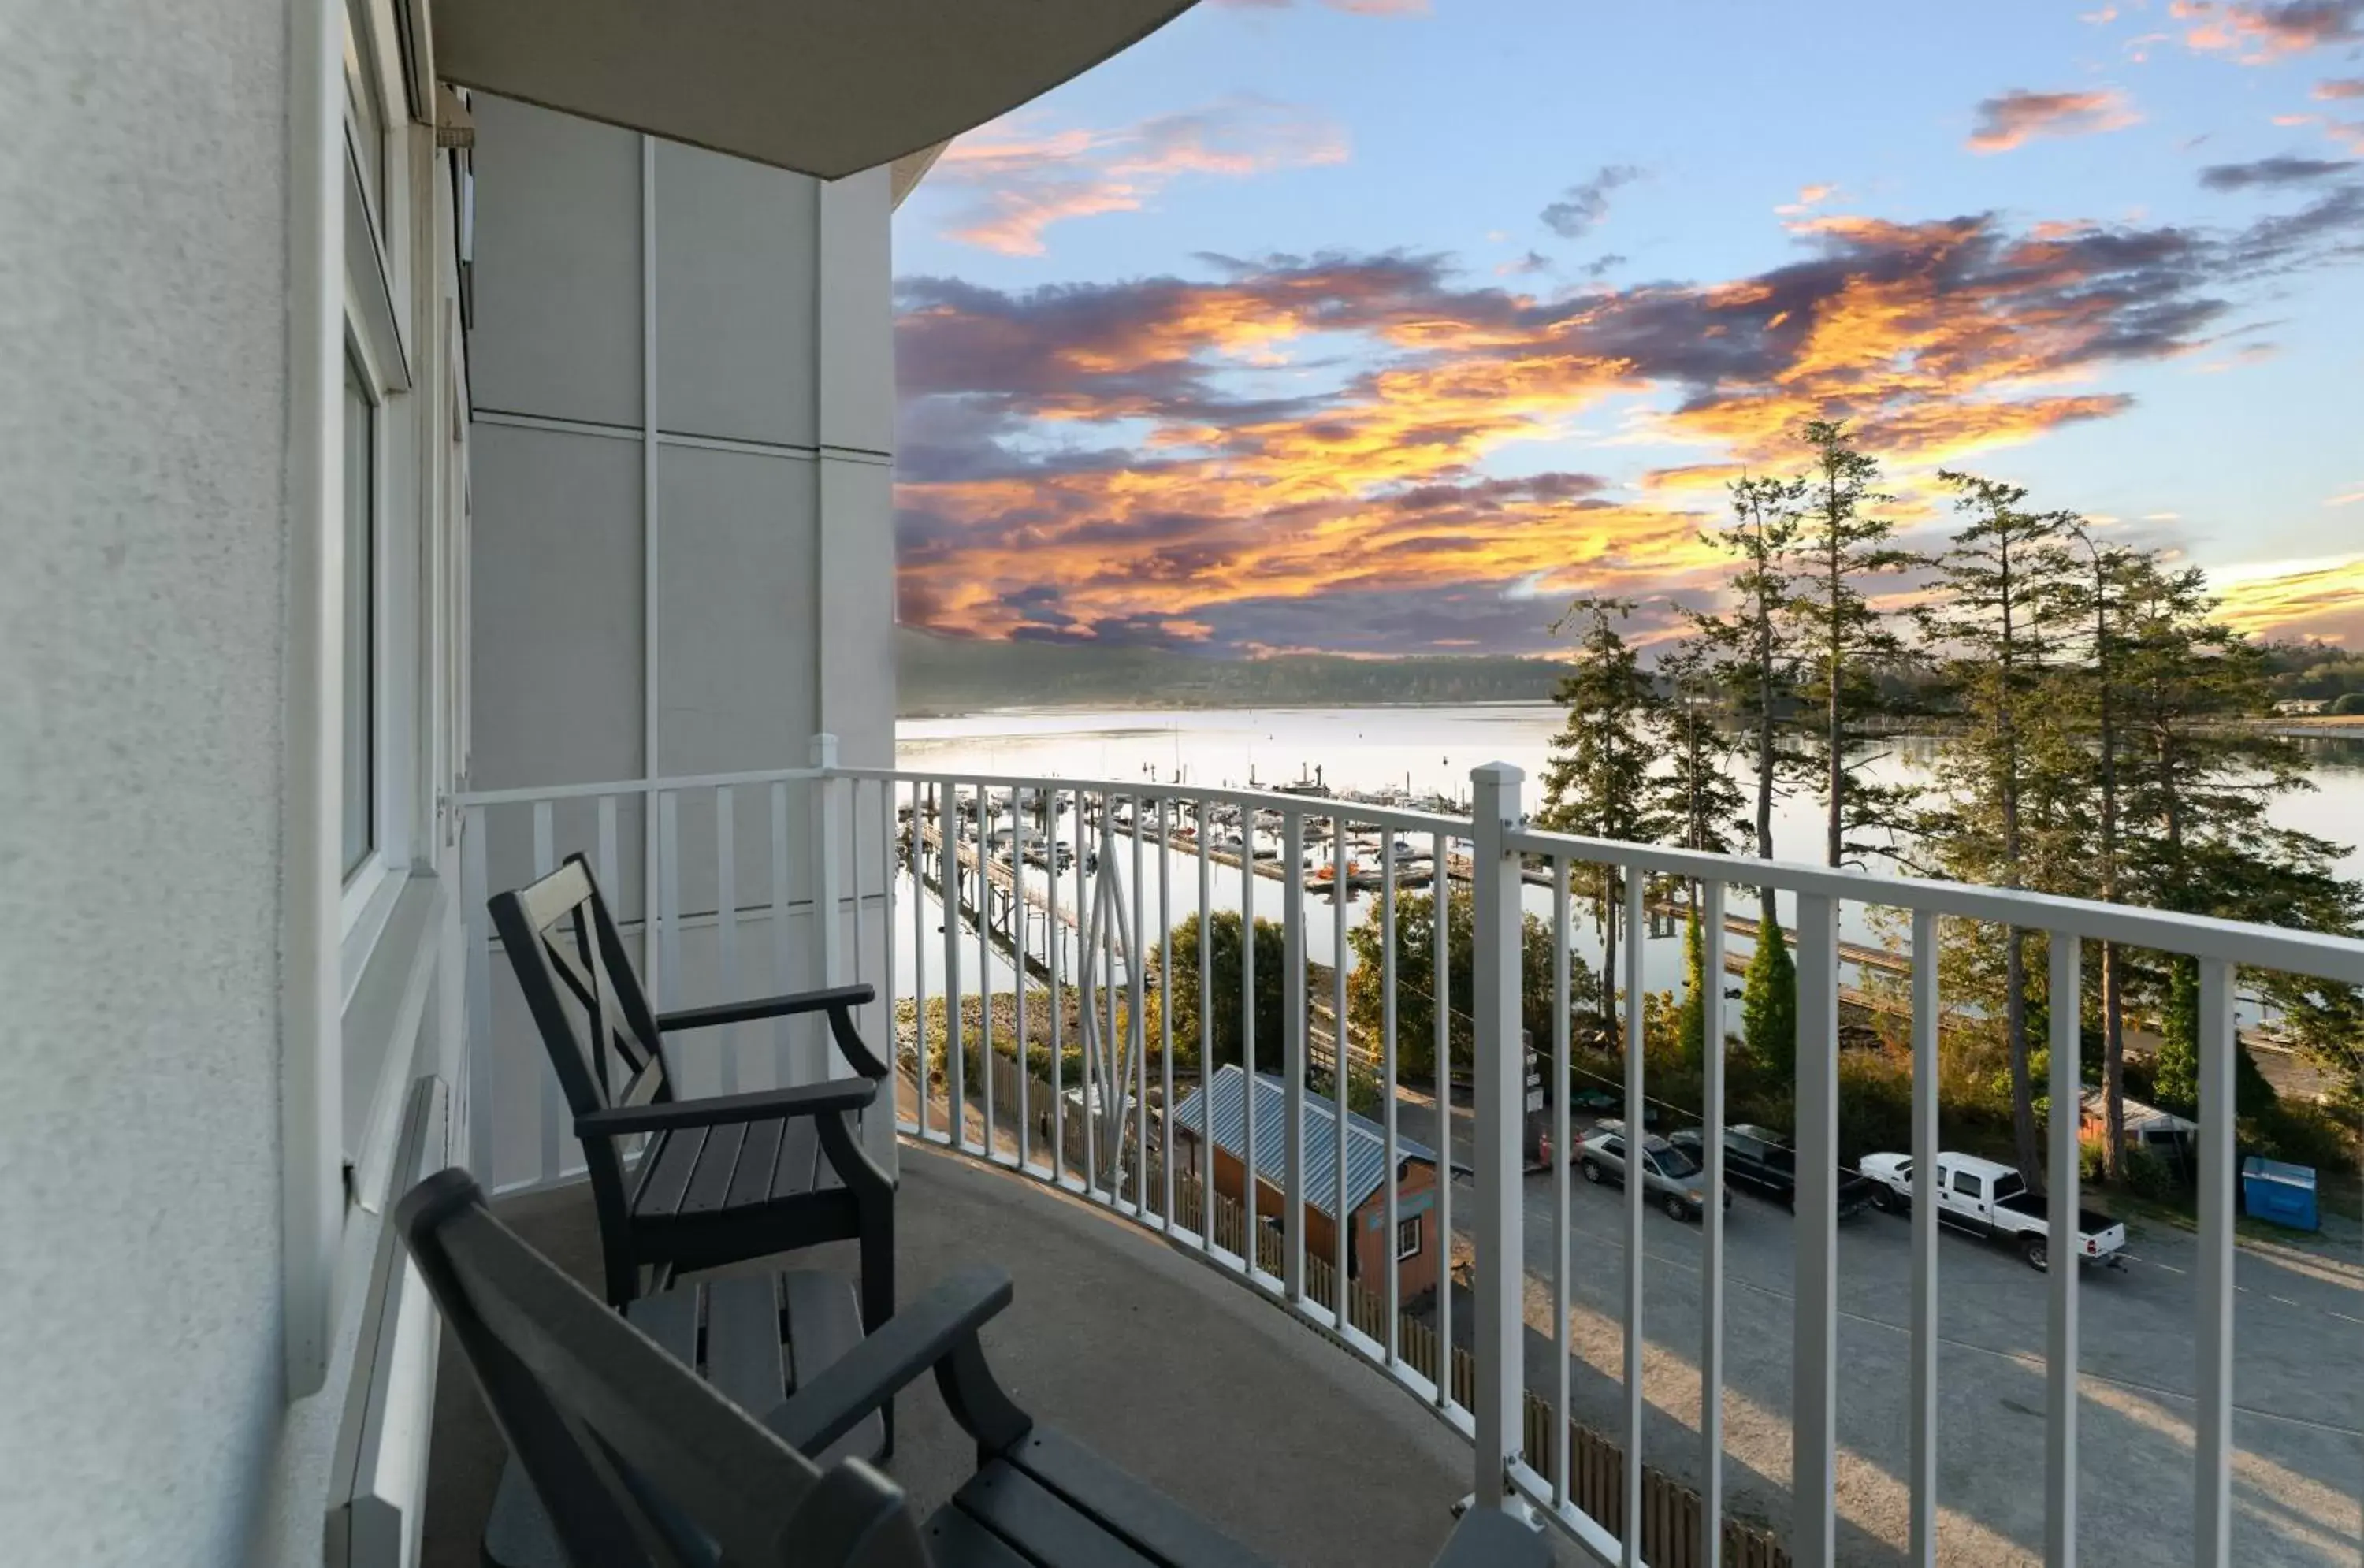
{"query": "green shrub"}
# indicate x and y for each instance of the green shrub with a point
(2151, 1174)
(2350, 705)
(1768, 1008)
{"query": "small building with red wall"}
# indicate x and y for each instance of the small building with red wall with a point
(1412, 1250)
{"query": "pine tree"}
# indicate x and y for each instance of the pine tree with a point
(1756, 663)
(1769, 1005)
(1596, 782)
(1844, 643)
(1996, 614)
(2196, 793)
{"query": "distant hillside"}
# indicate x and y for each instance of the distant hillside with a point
(953, 674)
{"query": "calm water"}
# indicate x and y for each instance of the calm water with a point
(1418, 749)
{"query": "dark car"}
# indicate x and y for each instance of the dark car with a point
(1757, 1159)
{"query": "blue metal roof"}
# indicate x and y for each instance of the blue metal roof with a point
(1366, 1153)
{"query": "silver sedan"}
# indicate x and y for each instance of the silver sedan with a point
(1670, 1177)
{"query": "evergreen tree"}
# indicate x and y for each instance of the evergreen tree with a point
(1768, 1006)
(2196, 793)
(1996, 614)
(1844, 643)
(1756, 664)
(1597, 780)
(1696, 980)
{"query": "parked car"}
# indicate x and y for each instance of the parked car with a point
(1670, 1177)
(1757, 1158)
(1992, 1200)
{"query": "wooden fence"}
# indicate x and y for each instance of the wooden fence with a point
(1673, 1527)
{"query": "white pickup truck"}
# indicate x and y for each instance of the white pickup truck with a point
(1991, 1200)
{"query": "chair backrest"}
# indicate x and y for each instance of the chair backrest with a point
(585, 1000)
(636, 1459)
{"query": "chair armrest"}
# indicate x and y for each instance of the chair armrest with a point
(765, 1008)
(722, 1110)
(921, 1334)
(838, 1001)
(1488, 1538)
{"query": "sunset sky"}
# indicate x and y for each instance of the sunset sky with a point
(1383, 327)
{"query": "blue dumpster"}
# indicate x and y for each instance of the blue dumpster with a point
(2282, 1194)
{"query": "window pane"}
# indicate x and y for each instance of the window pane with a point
(361, 641)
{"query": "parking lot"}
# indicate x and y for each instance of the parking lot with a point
(2299, 1379)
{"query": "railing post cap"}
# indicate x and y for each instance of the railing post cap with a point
(1498, 773)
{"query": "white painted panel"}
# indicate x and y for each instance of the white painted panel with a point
(735, 275)
(857, 366)
(557, 573)
(557, 273)
(736, 626)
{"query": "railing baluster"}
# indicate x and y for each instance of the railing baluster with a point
(1387, 1090)
(1497, 1077)
(1924, 1238)
(725, 934)
(2062, 1249)
(1136, 966)
(669, 896)
(887, 881)
(1017, 948)
(1293, 1053)
(479, 1104)
(1206, 965)
(1340, 874)
(1710, 913)
(955, 1066)
(1251, 1255)
(920, 797)
(985, 966)
(1165, 1006)
(2211, 1447)
(1083, 1008)
(1055, 940)
(545, 861)
(1440, 976)
(1088, 911)
(861, 969)
(1636, 1153)
(1814, 1367)
(783, 945)
(1561, 1085)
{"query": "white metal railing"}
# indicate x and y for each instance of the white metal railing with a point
(1066, 892)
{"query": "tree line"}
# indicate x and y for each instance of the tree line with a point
(2081, 689)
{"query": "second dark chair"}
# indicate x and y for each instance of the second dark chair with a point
(723, 1178)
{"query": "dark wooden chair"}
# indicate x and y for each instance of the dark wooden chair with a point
(721, 1179)
(651, 1445)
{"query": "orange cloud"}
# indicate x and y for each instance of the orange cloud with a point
(2340, 87)
(2303, 599)
(1016, 181)
(1113, 461)
(2017, 117)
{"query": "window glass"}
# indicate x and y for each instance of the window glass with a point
(1968, 1185)
(1672, 1161)
(360, 639)
(1407, 1238)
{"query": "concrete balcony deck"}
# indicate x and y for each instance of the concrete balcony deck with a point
(1180, 1375)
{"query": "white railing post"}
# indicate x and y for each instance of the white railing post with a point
(828, 911)
(1498, 1083)
(1814, 1367)
(2212, 1446)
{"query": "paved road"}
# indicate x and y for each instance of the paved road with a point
(2299, 1379)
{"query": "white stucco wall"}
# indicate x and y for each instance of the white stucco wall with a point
(142, 359)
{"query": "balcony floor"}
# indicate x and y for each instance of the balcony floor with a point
(1168, 1367)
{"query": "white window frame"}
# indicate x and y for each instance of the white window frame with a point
(1411, 1222)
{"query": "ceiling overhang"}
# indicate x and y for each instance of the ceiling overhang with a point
(824, 87)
